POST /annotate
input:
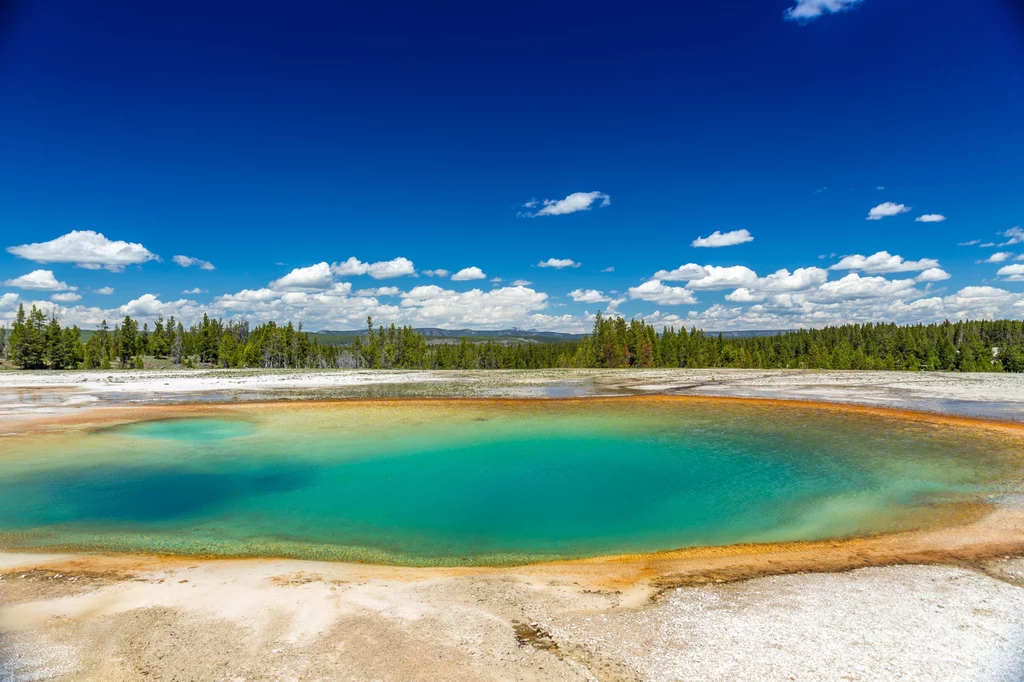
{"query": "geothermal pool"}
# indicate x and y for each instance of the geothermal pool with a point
(491, 482)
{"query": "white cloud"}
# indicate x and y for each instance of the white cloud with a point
(196, 290)
(998, 257)
(930, 218)
(610, 268)
(1012, 273)
(933, 275)
(684, 273)
(970, 243)
(39, 280)
(853, 286)
(657, 292)
(466, 274)
(713, 277)
(86, 249)
(521, 283)
(246, 297)
(577, 201)
(744, 295)
(886, 210)
(1015, 235)
(883, 262)
(588, 296)
(379, 291)
(148, 306)
(68, 297)
(386, 269)
(304, 279)
(716, 277)
(7, 301)
(807, 10)
(432, 304)
(496, 280)
(104, 291)
(439, 272)
(799, 280)
(558, 263)
(718, 239)
(189, 261)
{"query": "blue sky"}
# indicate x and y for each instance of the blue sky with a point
(373, 149)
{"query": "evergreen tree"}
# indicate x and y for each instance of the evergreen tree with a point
(127, 342)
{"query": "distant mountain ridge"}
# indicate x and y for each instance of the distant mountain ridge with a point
(458, 333)
(515, 333)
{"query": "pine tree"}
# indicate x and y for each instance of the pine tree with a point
(127, 342)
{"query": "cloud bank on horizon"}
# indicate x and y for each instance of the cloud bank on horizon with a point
(881, 286)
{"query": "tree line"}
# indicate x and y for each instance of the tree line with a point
(37, 342)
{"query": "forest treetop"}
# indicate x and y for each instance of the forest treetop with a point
(37, 342)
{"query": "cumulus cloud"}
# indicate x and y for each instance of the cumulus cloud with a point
(67, 297)
(386, 269)
(196, 290)
(246, 297)
(470, 273)
(713, 277)
(521, 283)
(1014, 235)
(86, 249)
(933, 275)
(149, 305)
(716, 278)
(588, 296)
(1012, 273)
(799, 280)
(104, 291)
(577, 201)
(930, 218)
(853, 286)
(886, 210)
(808, 10)
(656, 291)
(7, 301)
(379, 291)
(684, 273)
(305, 279)
(558, 263)
(744, 295)
(718, 239)
(439, 272)
(39, 280)
(610, 268)
(431, 303)
(998, 257)
(970, 243)
(883, 262)
(189, 261)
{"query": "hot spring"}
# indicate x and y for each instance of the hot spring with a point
(477, 482)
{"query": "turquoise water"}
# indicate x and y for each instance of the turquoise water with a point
(488, 483)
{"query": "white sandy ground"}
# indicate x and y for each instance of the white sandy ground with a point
(291, 620)
(997, 395)
(62, 619)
